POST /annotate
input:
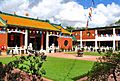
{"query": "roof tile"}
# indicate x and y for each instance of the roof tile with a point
(16, 20)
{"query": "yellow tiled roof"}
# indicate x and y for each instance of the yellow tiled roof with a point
(63, 30)
(26, 22)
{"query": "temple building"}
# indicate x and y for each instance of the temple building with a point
(22, 31)
(100, 37)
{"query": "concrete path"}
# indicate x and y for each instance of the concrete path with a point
(73, 56)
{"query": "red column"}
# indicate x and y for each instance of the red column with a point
(3, 39)
(21, 40)
(42, 39)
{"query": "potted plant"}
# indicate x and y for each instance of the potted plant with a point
(80, 52)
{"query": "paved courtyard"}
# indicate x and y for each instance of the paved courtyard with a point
(73, 56)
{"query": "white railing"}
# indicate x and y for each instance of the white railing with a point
(106, 37)
(16, 50)
(117, 37)
(95, 49)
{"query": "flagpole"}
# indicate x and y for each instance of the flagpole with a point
(89, 16)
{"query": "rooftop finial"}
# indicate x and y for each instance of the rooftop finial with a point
(14, 13)
(37, 17)
(26, 14)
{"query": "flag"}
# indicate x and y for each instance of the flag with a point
(89, 18)
(90, 14)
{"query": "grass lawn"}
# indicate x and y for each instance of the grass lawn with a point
(86, 53)
(57, 69)
(6, 60)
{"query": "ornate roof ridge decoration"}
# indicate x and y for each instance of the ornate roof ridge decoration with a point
(2, 23)
(15, 15)
(64, 31)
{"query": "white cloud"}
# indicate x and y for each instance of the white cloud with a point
(66, 12)
(105, 15)
(72, 11)
(11, 6)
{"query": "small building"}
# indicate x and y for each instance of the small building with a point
(65, 39)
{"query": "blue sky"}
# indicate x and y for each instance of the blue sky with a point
(88, 3)
(66, 12)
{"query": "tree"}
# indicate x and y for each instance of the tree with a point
(118, 22)
(115, 23)
(107, 65)
(69, 28)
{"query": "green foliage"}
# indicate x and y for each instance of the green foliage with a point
(99, 71)
(69, 28)
(82, 49)
(80, 52)
(107, 65)
(31, 64)
(118, 22)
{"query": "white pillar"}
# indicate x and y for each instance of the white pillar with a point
(81, 39)
(113, 39)
(96, 47)
(26, 39)
(47, 42)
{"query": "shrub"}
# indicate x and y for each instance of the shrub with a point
(82, 49)
(91, 49)
(31, 64)
(80, 52)
(99, 51)
(107, 65)
(87, 49)
(103, 50)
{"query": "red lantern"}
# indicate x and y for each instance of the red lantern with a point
(3, 47)
(12, 37)
(23, 30)
(44, 32)
(33, 32)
